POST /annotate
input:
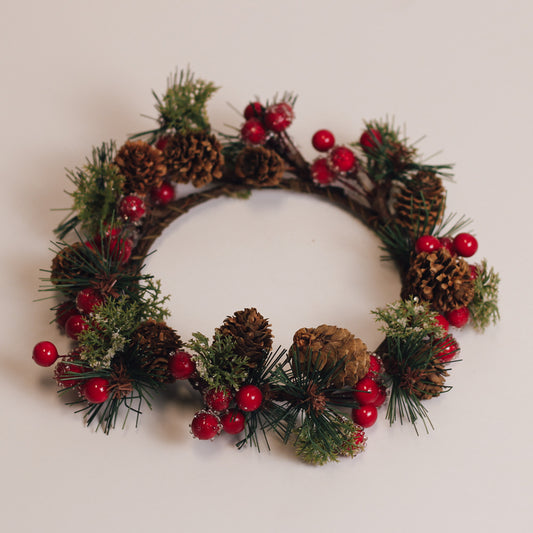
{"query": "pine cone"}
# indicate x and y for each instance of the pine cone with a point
(328, 345)
(400, 156)
(66, 264)
(194, 157)
(427, 383)
(441, 279)
(251, 332)
(156, 343)
(142, 166)
(259, 167)
(419, 205)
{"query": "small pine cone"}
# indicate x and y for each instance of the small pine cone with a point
(194, 157)
(400, 156)
(251, 332)
(420, 203)
(142, 166)
(120, 382)
(327, 345)
(427, 383)
(65, 264)
(156, 343)
(441, 279)
(259, 167)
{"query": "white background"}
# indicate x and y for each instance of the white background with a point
(77, 73)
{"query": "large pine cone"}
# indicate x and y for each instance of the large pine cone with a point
(194, 157)
(425, 383)
(156, 342)
(251, 332)
(441, 279)
(66, 264)
(142, 166)
(419, 204)
(259, 167)
(327, 345)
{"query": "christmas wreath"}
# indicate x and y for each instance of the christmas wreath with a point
(324, 390)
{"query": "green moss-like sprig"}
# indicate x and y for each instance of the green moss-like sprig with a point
(484, 306)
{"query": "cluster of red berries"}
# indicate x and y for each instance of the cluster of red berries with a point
(224, 410)
(464, 245)
(338, 160)
(132, 207)
(260, 121)
(370, 394)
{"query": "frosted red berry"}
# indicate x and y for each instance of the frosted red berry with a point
(448, 349)
(427, 243)
(205, 425)
(45, 353)
(64, 312)
(132, 208)
(87, 299)
(232, 421)
(447, 243)
(96, 390)
(253, 131)
(370, 140)
(323, 140)
(120, 249)
(218, 399)
(321, 173)
(163, 194)
(75, 325)
(162, 142)
(181, 365)
(374, 368)
(458, 317)
(253, 110)
(365, 415)
(366, 391)
(278, 117)
(249, 398)
(441, 321)
(342, 159)
(64, 373)
(473, 272)
(465, 244)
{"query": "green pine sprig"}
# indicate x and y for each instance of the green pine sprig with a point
(484, 306)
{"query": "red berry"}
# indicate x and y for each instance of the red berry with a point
(427, 243)
(75, 325)
(88, 299)
(448, 348)
(132, 208)
(473, 272)
(163, 194)
(249, 398)
(442, 322)
(321, 173)
(162, 142)
(63, 373)
(205, 425)
(366, 391)
(120, 249)
(458, 317)
(374, 368)
(447, 243)
(323, 140)
(96, 390)
(370, 140)
(342, 159)
(279, 117)
(253, 131)
(365, 416)
(232, 422)
(382, 396)
(181, 365)
(45, 353)
(465, 244)
(218, 399)
(64, 312)
(253, 110)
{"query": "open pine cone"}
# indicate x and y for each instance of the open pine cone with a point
(420, 203)
(425, 383)
(156, 342)
(142, 166)
(251, 332)
(194, 158)
(441, 279)
(64, 263)
(259, 166)
(327, 345)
